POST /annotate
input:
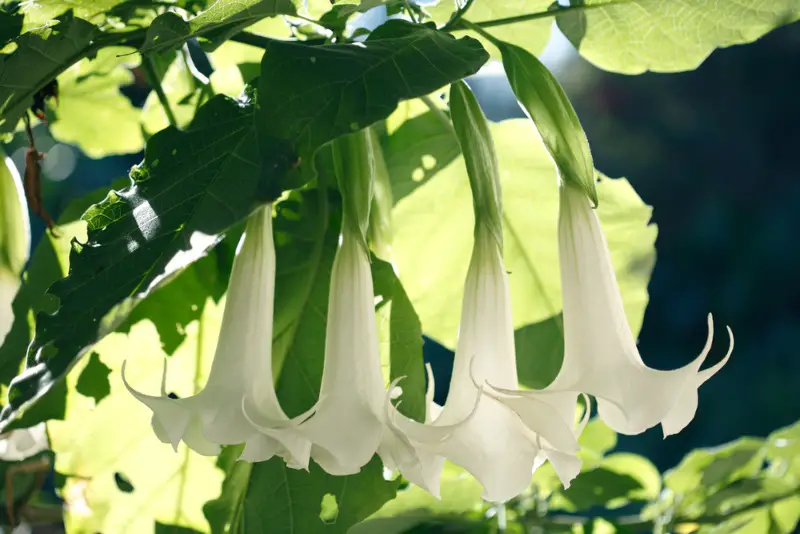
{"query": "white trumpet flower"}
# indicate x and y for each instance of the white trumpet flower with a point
(600, 354)
(349, 425)
(242, 367)
(499, 438)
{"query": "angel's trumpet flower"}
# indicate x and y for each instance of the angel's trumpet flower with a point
(242, 368)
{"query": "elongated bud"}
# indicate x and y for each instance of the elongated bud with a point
(476, 143)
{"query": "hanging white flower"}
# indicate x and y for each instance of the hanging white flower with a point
(349, 426)
(242, 367)
(600, 354)
(601, 357)
(498, 438)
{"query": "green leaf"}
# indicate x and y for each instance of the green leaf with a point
(40, 56)
(667, 35)
(540, 351)
(172, 306)
(477, 148)
(712, 467)
(434, 221)
(93, 380)
(50, 263)
(92, 113)
(10, 25)
(597, 487)
(532, 35)
(597, 438)
(461, 494)
(181, 197)
(418, 149)
(284, 500)
(639, 468)
(42, 11)
(183, 94)
(405, 340)
(329, 91)
(224, 512)
(551, 111)
(223, 19)
(101, 447)
(162, 528)
(306, 235)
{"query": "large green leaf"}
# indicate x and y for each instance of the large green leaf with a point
(633, 36)
(532, 35)
(419, 148)
(39, 57)
(461, 494)
(48, 263)
(433, 225)
(283, 500)
(222, 19)
(224, 512)
(339, 89)
(10, 25)
(405, 340)
(180, 198)
(91, 112)
(120, 477)
(40, 12)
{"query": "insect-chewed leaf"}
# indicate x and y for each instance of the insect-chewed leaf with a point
(328, 91)
(220, 21)
(191, 186)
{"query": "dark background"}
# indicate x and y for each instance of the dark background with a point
(716, 152)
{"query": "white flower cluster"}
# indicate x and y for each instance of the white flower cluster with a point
(489, 426)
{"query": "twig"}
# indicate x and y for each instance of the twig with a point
(155, 82)
(411, 13)
(456, 18)
(458, 24)
(438, 112)
(477, 29)
(252, 39)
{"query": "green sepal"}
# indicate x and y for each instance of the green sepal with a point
(354, 164)
(475, 140)
(548, 107)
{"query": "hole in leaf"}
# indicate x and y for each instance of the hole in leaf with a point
(428, 162)
(418, 174)
(123, 483)
(329, 508)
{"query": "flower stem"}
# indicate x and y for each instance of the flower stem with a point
(437, 111)
(155, 82)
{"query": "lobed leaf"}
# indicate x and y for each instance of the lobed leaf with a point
(180, 198)
(329, 91)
